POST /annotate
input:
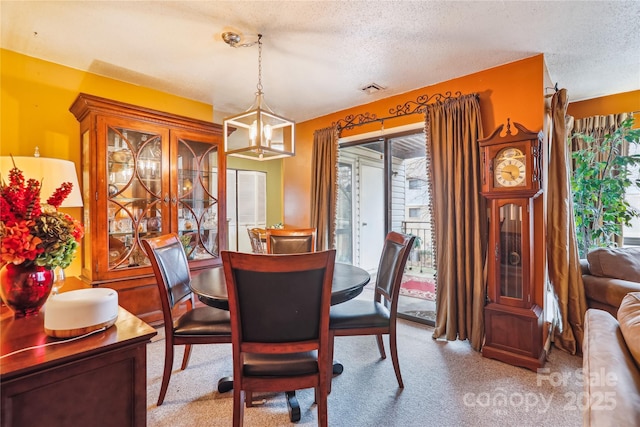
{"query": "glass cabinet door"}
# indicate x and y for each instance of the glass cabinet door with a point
(196, 167)
(511, 263)
(134, 193)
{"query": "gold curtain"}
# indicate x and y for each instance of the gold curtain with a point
(459, 217)
(324, 186)
(598, 127)
(562, 251)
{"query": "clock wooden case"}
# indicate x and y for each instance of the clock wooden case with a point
(511, 181)
(511, 164)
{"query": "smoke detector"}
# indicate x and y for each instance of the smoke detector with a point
(372, 88)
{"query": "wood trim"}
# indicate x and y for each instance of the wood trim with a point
(86, 104)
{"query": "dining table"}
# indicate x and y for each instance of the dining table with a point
(210, 286)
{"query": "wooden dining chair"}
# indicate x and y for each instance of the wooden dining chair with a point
(257, 247)
(279, 308)
(291, 241)
(198, 325)
(377, 317)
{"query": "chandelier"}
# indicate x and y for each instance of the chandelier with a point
(258, 133)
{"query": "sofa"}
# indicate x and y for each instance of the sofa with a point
(611, 365)
(608, 275)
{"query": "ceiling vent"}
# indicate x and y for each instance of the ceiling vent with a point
(372, 88)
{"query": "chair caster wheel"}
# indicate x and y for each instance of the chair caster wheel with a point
(294, 406)
(225, 384)
(338, 368)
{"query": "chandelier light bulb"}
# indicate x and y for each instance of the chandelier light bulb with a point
(253, 132)
(268, 133)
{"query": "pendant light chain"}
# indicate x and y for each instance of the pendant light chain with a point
(258, 133)
(259, 64)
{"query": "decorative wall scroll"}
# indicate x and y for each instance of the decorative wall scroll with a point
(410, 107)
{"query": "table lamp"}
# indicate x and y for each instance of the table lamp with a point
(51, 173)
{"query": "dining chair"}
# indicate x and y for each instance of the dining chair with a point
(257, 247)
(291, 241)
(198, 325)
(279, 308)
(377, 317)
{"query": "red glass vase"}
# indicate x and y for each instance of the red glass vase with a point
(25, 289)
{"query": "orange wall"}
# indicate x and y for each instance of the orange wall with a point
(612, 104)
(514, 90)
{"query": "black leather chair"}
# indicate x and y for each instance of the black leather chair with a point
(279, 309)
(377, 317)
(291, 241)
(199, 325)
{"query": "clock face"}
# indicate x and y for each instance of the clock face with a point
(509, 168)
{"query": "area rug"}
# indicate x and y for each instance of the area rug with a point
(418, 287)
(427, 315)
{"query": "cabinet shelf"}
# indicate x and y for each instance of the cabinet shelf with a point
(195, 230)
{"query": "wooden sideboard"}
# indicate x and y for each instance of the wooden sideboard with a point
(96, 380)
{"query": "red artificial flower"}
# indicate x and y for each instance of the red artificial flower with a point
(60, 194)
(18, 245)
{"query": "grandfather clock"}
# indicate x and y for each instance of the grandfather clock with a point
(511, 181)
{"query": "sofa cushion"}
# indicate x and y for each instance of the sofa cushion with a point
(606, 293)
(629, 319)
(611, 377)
(619, 263)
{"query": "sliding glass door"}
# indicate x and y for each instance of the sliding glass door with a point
(361, 221)
(383, 187)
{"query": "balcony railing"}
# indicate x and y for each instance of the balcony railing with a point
(421, 256)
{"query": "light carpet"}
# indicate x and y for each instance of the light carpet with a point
(446, 384)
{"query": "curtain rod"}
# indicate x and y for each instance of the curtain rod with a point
(555, 89)
(408, 108)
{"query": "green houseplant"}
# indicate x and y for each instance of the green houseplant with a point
(601, 176)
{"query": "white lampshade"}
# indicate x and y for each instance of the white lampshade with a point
(50, 172)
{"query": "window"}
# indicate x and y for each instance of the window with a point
(631, 234)
(416, 184)
(414, 212)
(344, 222)
(246, 206)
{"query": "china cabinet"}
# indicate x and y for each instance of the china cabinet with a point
(512, 181)
(145, 173)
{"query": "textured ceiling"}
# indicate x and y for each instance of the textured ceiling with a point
(318, 54)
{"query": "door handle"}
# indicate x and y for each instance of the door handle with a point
(364, 224)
